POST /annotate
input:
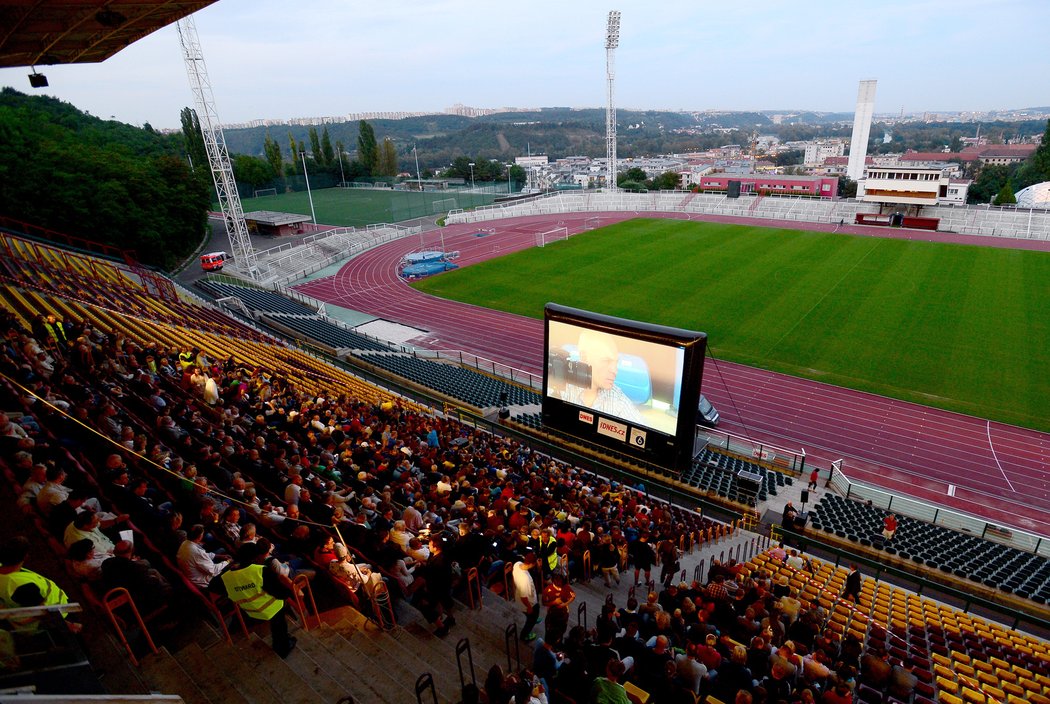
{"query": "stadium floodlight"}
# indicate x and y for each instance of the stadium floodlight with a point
(215, 145)
(471, 165)
(612, 41)
(302, 155)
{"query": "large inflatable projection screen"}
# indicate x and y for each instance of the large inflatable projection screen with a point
(628, 385)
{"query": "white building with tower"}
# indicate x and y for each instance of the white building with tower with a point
(816, 152)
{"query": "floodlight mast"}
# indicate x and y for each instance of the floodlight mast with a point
(215, 144)
(612, 41)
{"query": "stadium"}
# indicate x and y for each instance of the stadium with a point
(309, 478)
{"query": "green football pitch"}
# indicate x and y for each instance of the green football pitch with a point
(365, 206)
(960, 327)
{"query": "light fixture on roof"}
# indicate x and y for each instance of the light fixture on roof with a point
(37, 80)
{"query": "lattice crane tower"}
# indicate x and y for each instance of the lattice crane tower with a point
(612, 41)
(215, 143)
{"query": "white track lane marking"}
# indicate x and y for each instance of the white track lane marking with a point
(997, 463)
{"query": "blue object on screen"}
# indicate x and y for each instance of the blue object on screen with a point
(632, 376)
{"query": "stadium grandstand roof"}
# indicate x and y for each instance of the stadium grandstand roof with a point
(46, 32)
(271, 217)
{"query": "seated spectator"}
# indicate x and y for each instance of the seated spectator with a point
(32, 486)
(83, 561)
(146, 585)
(351, 574)
(87, 526)
(199, 566)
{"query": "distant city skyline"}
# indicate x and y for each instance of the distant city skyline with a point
(271, 60)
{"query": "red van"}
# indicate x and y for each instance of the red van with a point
(213, 261)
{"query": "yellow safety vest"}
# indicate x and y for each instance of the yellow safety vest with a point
(245, 587)
(52, 593)
(186, 360)
(552, 559)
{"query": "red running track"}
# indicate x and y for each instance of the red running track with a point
(996, 471)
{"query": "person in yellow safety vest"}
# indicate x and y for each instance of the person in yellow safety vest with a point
(260, 592)
(13, 575)
(187, 358)
(546, 548)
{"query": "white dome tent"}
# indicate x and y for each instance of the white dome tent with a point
(1035, 196)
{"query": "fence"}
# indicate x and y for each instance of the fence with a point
(781, 458)
(973, 220)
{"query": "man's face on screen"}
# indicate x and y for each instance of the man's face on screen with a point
(603, 365)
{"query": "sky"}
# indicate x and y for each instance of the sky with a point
(270, 59)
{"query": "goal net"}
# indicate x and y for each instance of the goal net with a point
(593, 223)
(558, 233)
(444, 205)
(259, 192)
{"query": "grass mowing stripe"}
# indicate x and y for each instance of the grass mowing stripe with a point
(954, 326)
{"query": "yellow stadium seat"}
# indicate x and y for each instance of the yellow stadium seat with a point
(994, 693)
(1037, 698)
(964, 670)
(983, 666)
(947, 685)
(941, 659)
(1012, 688)
(960, 657)
(636, 695)
(947, 698)
(973, 696)
(942, 671)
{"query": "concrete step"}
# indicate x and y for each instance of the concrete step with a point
(399, 663)
(282, 679)
(330, 686)
(358, 687)
(209, 675)
(361, 662)
(244, 677)
(165, 675)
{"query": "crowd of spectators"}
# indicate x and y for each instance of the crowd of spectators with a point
(196, 455)
(199, 456)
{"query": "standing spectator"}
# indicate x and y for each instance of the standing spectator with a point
(902, 681)
(557, 596)
(813, 477)
(852, 589)
(525, 593)
(608, 561)
(261, 594)
(889, 526)
(641, 552)
(438, 583)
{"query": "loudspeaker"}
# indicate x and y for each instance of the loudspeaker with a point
(503, 398)
(504, 413)
(734, 189)
(38, 80)
(805, 496)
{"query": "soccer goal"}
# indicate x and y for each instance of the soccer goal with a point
(260, 192)
(558, 233)
(593, 223)
(445, 205)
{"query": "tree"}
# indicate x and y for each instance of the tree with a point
(272, 151)
(1005, 196)
(327, 156)
(990, 180)
(1040, 161)
(367, 148)
(634, 175)
(387, 161)
(847, 187)
(293, 154)
(191, 132)
(790, 157)
(315, 146)
(252, 170)
(667, 181)
(518, 175)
